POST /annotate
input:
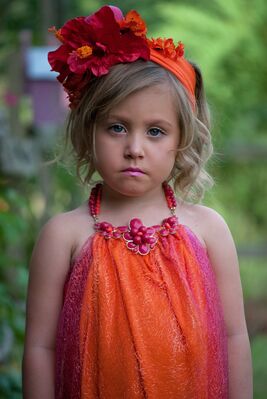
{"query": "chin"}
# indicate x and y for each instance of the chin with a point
(131, 190)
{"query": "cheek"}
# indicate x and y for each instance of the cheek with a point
(171, 148)
(170, 155)
(106, 153)
(100, 146)
(170, 161)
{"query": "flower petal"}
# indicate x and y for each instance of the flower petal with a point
(135, 223)
(143, 249)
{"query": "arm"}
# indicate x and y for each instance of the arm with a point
(48, 269)
(222, 254)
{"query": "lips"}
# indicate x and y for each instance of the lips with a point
(133, 170)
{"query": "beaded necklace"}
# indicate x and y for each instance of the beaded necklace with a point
(139, 238)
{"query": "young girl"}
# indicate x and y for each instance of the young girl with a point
(135, 294)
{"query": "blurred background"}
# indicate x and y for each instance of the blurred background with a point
(228, 39)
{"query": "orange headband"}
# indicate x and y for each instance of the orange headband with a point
(181, 68)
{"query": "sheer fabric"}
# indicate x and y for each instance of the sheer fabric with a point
(136, 326)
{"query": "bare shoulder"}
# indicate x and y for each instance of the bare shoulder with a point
(207, 223)
(214, 231)
(217, 236)
(49, 267)
(60, 236)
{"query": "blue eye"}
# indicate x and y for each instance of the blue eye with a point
(117, 128)
(155, 132)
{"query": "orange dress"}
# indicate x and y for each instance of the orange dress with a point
(136, 326)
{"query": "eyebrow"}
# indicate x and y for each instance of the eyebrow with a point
(150, 122)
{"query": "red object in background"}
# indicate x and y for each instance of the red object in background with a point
(10, 99)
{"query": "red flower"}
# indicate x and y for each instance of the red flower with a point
(91, 45)
(169, 226)
(140, 239)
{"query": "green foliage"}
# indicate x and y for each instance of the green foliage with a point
(16, 221)
(22, 211)
(259, 355)
(240, 194)
(10, 384)
(16, 15)
(254, 278)
(228, 39)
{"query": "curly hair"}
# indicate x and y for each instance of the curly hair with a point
(189, 177)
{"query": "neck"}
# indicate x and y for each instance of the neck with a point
(115, 200)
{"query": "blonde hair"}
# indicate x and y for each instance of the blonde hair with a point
(189, 176)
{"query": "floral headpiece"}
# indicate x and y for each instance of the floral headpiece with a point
(91, 45)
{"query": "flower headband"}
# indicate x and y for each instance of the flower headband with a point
(91, 45)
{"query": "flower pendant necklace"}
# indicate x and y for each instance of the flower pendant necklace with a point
(138, 238)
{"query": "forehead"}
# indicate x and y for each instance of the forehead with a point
(153, 101)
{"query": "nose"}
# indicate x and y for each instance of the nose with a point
(134, 147)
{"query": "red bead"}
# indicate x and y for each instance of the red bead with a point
(137, 240)
(169, 194)
(128, 236)
(143, 249)
(146, 238)
(94, 200)
(116, 234)
(135, 224)
(122, 229)
(151, 240)
(131, 245)
(142, 229)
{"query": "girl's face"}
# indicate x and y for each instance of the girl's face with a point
(135, 146)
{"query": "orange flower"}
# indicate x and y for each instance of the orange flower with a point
(167, 47)
(134, 22)
(157, 44)
(57, 33)
(180, 49)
